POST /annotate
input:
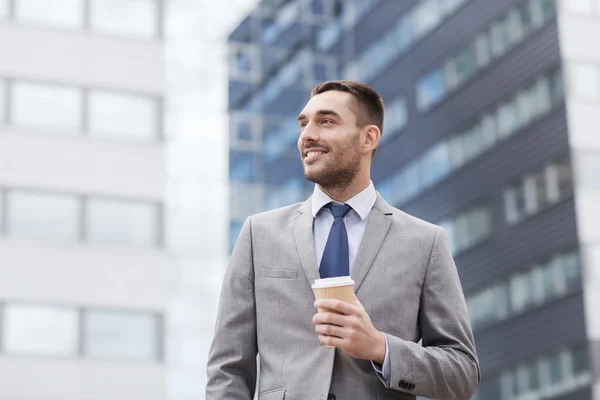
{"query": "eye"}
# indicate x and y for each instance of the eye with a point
(302, 125)
(326, 121)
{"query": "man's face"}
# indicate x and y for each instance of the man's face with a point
(330, 140)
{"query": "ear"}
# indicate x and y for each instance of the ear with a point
(372, 134)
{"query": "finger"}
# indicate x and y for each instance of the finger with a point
(337, 305)
(330, 318)
(331, 341)
(331, 330)
(357, 302)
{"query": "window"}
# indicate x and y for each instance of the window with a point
(580, 360)
(244, 62)
(520, 292)
(430, 89)
(43, 215)
(127, 116)
(122, 335)
(61, 13)
(435, 164)
(40, 330)
(123, 223)
(242, 168)
(571, 274)
(490, 44)
(468, 228)
(47, 106)
(139, 18)
(507, 118)
(463, 65)
(426, 16)
(396, 118)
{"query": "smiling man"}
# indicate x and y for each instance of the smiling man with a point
(407, 286)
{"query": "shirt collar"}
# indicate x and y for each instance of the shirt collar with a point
(362, 203)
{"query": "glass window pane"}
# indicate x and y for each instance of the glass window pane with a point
(426, 16)
(508, 122)
(466, 62)
(121, 335)
(125, 223)
(2, 100)
(580, 359)
(46, 106)
(40, 330)
(119, 115)
(128, 17)
(430, 89)
(43, 215)
(549, 284)
(571, 269)
(63, 13)
(564, 177)
(520, 292)
(555, 369)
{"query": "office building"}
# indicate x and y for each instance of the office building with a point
(84, 273)
(491, 112)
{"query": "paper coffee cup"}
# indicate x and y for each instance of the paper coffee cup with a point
(339, 288)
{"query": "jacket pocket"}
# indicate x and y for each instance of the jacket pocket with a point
(279, 273)
(273, 394)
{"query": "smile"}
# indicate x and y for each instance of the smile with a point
(314, 154)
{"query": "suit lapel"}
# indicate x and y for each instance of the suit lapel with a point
(377, 228)
(305, 241)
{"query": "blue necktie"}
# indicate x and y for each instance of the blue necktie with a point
(336, 259)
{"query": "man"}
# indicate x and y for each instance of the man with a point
(407, 286)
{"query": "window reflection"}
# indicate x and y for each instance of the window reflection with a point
(129, 17)
(126, 116)
(121, 335)
(40, 330)
(41, 105)
(123, 223)
(61, 13)
(43, 215)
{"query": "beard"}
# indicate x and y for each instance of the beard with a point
(339, 169)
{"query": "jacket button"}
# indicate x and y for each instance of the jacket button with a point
(331, 396)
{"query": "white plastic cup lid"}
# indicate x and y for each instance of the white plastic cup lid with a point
(333, 282)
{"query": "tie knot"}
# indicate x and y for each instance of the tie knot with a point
(338, 210)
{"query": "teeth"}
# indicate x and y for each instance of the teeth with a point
(311, 154)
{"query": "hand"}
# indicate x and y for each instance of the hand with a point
(353, 332)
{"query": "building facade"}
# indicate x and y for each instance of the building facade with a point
(491, 109)
(84, 271)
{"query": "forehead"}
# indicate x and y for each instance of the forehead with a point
(340, 102)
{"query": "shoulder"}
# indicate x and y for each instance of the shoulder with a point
(408, 224)
(278, 216)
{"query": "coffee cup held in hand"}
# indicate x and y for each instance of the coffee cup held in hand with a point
(339, 288)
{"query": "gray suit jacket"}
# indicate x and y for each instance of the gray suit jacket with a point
(406, 280)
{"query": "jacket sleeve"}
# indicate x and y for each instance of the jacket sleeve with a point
(445, 366)
(231, 364)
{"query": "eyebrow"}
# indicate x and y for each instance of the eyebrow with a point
(321, 113)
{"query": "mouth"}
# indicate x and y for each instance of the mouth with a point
(311, 155)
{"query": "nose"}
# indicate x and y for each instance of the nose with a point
(310, 133)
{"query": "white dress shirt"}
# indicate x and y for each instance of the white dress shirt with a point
(356, 222)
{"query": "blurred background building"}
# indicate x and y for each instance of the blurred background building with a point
(491, 131)
(113, 195)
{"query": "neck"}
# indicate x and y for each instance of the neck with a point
(343, 193)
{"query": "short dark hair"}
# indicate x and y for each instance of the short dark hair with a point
(369, 104)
